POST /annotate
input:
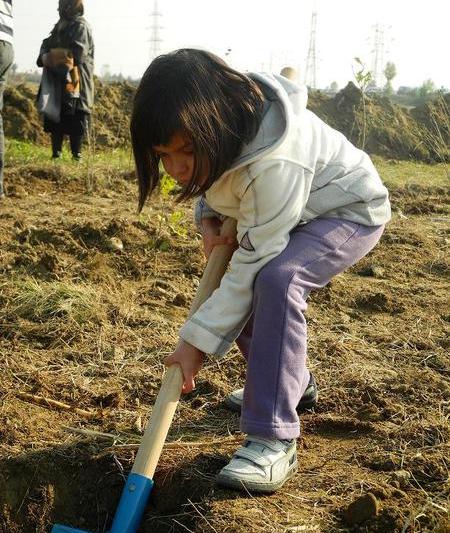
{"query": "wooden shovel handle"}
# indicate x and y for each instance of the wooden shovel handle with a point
(166, 403)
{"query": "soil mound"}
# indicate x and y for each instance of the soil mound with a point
(383, 128)
(20, 117)
(110, 119)
(112, 113)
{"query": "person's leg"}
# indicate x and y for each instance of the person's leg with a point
(6, 60)
(276, 371)
(78, 130)
(57, 142)
(76, 141)
(2, 141)
(235, 399)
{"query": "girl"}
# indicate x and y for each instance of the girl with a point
(67, 56)
(308, 205)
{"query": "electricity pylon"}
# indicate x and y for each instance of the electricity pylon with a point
(378, 54)
(155, 28)
(311, 61)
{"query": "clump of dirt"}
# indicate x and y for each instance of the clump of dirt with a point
(362, 509)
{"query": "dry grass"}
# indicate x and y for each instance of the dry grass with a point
(40, 301)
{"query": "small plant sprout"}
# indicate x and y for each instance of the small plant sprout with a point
(363, 78)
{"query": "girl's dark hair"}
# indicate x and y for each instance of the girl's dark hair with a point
(195, 92)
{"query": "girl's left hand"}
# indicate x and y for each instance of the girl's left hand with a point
(211, 235)
(190, 359)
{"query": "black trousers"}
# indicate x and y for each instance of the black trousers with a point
(75, 125)
(76, 142)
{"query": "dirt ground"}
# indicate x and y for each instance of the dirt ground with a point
(91, 298)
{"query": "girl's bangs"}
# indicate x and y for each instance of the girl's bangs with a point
(159, 127)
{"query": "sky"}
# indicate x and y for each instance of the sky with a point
(258, 35)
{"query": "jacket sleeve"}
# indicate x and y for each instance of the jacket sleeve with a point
(80, 41)
(45, 47)
(203, 210)
(270, 207)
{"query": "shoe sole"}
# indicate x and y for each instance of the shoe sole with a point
(251, 486)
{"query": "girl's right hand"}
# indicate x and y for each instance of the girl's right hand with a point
(190, 360)
(211, 235)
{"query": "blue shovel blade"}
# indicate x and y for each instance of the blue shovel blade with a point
(130, 510)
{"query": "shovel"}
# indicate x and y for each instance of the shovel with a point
(139, 482)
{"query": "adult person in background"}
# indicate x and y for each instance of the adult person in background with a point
(66, 93)
(6, 60)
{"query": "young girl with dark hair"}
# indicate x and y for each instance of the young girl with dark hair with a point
(66, 93)
(308, 205)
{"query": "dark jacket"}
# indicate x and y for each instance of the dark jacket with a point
(76, 35)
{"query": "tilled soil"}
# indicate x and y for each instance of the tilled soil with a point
(91, 298)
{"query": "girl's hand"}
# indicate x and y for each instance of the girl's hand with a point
(211, 235)
(190, 359)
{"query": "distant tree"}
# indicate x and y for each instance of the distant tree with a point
(390, 71)
(14, 71)
(105, 72)
(334, 87)
(427, 88)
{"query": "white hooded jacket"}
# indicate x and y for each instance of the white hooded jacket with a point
(297, 168)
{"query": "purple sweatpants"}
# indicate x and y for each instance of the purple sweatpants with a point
(274, 340)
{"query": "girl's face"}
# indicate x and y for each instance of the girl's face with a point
(177, 157)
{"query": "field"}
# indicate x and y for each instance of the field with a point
(91, 298)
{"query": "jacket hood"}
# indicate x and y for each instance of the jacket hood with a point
(283, 99)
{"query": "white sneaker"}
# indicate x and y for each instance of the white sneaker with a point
(260, 465)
